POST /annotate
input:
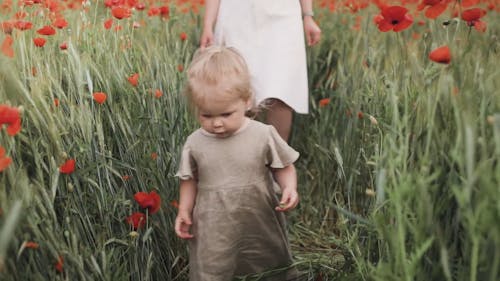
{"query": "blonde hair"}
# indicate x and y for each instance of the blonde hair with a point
(214, 67)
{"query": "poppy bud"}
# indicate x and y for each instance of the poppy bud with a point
(373, 120)
(370, 192)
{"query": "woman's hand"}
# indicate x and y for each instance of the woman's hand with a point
(207, 38)
(209, 19)
(183, 224)
(289, 199)
(312, 31)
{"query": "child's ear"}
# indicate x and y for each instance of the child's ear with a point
(248, 104)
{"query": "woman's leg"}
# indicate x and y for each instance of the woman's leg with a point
(280, 116)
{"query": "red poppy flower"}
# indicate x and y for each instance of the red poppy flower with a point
(393, 18)
(154, 155)
(109, 3)
(7, 27)
(6, 48)
(68, 167)
(4, 160)
(436, 7)
(158, 93)
(133, 79)
(473, 16)
(63, 46)
(46, 30)
(10, 116)
(60, 23)
(53, 6)
(56, 102)
(180, 68)
(151, 201)
(19, 15)
(26, 3)
(480, 26)
(164, 11)
(59, 264)
(108, 23)
(99, 97)
(153, 11)
(23, 25)
(136, 220)
(468, 3)
(31, 245)
(132, 3)
(121, 12)
(175, 204)
(324, 102)
(183, 36)
(39, 41)
(140, 6)
(441, 55)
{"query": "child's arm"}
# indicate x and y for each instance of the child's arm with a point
(211, 10)
(187, 198)
(311, 29)
(287, 180)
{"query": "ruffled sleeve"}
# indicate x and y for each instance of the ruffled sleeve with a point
(187, 166)
(279, 154)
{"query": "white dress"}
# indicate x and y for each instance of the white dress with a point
(270, 36)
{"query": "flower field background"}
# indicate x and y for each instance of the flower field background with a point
(399, 171)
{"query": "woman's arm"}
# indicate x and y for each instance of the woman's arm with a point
(211, 10)
(287, 180)
(187, 198)
(311, 29)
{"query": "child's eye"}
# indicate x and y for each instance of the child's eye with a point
(227, 114)
(206, 115)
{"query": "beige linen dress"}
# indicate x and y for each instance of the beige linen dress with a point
(236, 229)
(270, 36)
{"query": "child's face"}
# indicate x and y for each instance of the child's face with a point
(222, 116)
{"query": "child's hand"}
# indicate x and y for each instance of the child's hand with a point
(312, 31)
(289, 199)
(183, 224)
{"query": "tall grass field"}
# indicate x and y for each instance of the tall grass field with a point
(399, 173)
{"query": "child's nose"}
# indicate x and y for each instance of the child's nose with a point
(217, 122)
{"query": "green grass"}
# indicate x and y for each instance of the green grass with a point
(430, 163)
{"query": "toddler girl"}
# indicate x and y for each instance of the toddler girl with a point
(228, 209)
